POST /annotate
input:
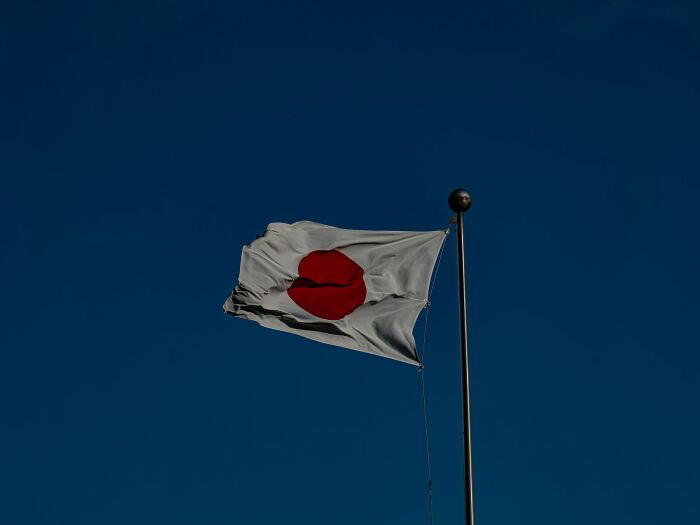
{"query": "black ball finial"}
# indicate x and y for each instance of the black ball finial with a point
(459, 201)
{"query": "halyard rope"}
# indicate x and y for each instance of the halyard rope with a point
(421, 373)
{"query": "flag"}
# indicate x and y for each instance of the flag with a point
(356, 289)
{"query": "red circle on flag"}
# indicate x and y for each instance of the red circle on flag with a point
(330, 285)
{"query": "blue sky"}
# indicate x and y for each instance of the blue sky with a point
(143, 143)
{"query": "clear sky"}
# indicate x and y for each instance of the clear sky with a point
(143, 143)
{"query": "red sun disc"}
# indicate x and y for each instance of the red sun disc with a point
(330, 285)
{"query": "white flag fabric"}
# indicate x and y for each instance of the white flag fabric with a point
(357, 289)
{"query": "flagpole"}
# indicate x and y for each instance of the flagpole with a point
(460, 201)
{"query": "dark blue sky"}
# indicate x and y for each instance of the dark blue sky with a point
(143, 143)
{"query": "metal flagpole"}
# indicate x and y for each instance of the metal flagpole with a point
(460, 201)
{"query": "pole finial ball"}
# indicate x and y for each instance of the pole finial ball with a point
(459, 201)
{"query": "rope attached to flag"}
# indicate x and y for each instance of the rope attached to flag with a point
(421, 372)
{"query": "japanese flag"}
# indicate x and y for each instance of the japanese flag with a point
(361, 290)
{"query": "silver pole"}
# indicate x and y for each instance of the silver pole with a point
(460, 201)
